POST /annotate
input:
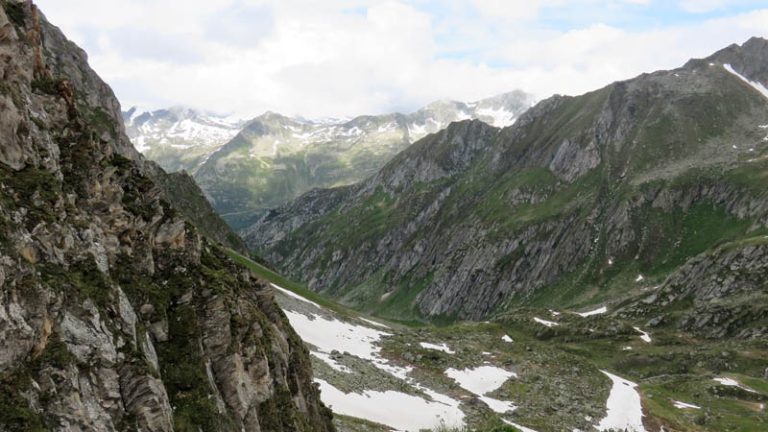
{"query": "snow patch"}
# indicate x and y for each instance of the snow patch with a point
(387, 127)
(480, 380)
(755, 85)
(483, 380)
(416, 131)
(141, 144)
(733, 383)
(515, 425)
(625, 411)
(498, 406)
(506, 338)
(398, 410)
(644, 335)
(498, 117)
(639, 278)
(441, 347)
(463, 115)
(545, 322)
(683, 405)
(598, 311)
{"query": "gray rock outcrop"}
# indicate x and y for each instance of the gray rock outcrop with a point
(110, 298)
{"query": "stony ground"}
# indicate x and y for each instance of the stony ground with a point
(559, 385)
(556, 357)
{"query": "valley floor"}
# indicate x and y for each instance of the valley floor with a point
(530, 369)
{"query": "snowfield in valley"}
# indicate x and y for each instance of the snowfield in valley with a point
(413, 405)
(625, 411)
(398, 410)
(392, 408)
(333, 335)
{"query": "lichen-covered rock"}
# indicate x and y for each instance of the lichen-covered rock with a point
(115, 312)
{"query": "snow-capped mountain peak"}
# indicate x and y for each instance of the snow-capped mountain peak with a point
(178, 134)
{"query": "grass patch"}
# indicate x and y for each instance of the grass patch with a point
(16, 415)
(682, 235)
(400, 305)
(82, 279)
(716, 413)
(48, 86)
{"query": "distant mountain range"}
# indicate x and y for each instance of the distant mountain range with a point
(247, 167)
(178, 138)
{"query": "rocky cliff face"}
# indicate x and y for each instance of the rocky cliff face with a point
(115, 312)
(585, 199)
(181, 191)
(718, 294)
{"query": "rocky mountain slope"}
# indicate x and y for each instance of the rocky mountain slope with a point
(602, 197)
(181, 191)
(528, 369)
(178, 138)
(115, 312)
(275, 158)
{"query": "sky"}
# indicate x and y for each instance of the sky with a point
(339, 58)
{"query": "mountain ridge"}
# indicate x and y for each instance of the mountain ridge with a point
(554, 198)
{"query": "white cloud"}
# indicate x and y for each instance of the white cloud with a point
(510, 10)
(701, 6)
(346, 57)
